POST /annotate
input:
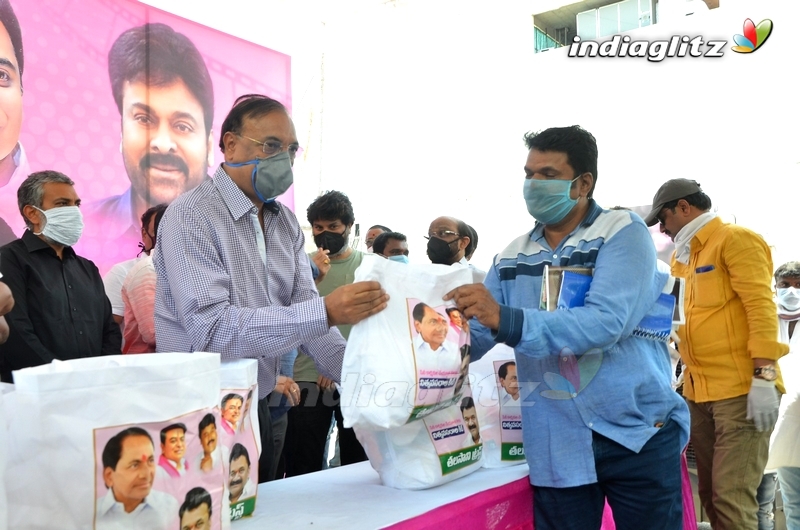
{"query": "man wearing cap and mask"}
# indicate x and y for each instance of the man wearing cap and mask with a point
(61, 310)
(729, 345)
(233, 276)
(331, 218)
(601, 420)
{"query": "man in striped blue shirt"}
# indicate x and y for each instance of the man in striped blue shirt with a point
(233, 276)
(600, 419)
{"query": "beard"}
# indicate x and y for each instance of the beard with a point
(161, 177)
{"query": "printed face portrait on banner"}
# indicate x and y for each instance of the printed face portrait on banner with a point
(11, 157)
(165, 98)
(128, 112)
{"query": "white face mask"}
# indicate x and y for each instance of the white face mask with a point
(789, 298)
(63, 224)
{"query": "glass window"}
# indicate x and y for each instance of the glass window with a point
(628, 15)
(646, 11)
(608, 20)
(543, 41)
(587, 24)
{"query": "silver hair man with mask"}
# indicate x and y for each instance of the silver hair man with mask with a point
(449, 241)
(331, 217)
(61, 309)
(233, 276)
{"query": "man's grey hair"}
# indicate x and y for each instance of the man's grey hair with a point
(790, 269)
(32, 189)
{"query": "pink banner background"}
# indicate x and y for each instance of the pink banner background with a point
(70, 120)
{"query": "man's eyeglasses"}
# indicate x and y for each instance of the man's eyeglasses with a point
(271, 147)
(660, 216)
(441, 234)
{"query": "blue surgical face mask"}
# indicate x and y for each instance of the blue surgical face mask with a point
(400, 259)
(789, 298)
(548, 200)
(271, 176)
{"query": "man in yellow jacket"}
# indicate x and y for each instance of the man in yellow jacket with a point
(730, 348)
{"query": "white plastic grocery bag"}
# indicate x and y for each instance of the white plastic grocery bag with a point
(443, 446)
(412, 358)
(110, 443)
(5, 388)
(238, 435)
(498, 399)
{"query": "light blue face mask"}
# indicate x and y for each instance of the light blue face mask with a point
(271, 176)
(548, 200)
(400, 259)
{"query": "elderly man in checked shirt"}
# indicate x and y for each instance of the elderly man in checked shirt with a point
(233, 276)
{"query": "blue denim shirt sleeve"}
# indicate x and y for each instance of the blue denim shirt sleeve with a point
(624, 287)
(287, 363)
(482, 339)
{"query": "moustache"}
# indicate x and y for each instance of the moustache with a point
(162, 160)
(236, 482)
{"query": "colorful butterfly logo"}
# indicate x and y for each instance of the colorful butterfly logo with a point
(754, 36)
(576, 373)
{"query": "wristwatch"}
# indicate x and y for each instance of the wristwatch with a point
(767, 373)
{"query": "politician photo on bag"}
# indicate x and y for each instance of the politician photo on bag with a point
(437, 357)
(129, 469)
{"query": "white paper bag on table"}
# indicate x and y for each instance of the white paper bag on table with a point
(86, 450)
(5, 388)
(440, 448)
(411, 359)
(498, 399)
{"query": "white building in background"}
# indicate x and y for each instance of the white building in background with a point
(556, 25)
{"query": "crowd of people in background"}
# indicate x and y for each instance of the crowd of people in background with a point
(224, 269)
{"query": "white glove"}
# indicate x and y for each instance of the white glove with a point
(762, 404)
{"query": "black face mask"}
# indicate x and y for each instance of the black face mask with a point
(330, 241)
(440, 251)
(143, 248)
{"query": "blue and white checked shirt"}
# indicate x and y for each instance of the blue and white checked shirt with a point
(225, 287)
(580, 370)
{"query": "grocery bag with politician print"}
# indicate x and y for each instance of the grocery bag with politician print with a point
(412, 358)
(499, 400)
(238, 440)
(443, 446)
(113, 443)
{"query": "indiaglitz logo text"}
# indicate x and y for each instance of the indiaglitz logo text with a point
(655, 51)
(753, 37)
